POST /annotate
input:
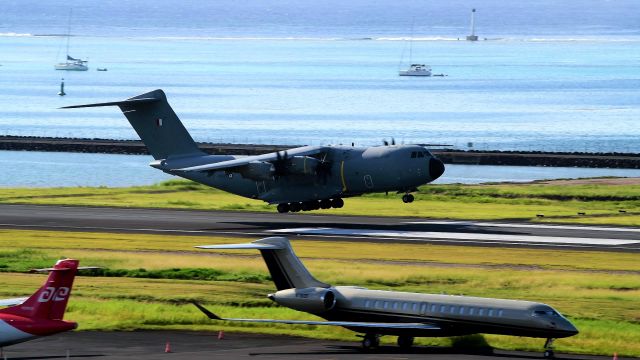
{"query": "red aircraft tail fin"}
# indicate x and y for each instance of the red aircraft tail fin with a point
(50, 301)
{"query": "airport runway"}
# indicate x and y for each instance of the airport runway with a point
(325, 227)
(188, 345)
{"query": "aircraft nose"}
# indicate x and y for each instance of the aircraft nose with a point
(436, 168)
(570, 328)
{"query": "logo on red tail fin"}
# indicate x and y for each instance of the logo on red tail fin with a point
(50, 301)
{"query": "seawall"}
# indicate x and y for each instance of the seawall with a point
(136, 147)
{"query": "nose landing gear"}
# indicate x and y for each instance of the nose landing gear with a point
(548, 349)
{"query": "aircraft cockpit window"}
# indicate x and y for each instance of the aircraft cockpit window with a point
(413, 154)
(545, 313)
(420, 154)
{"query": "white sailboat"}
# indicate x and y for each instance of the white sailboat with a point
(72, 63)
(414, 69)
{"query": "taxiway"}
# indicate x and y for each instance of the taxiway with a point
(188, 345)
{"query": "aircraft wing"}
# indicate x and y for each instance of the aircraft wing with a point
(300, 151)
(12, 302)
(378, 325)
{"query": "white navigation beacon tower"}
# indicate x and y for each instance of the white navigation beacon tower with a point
(473, 36)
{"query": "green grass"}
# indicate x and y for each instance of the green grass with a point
(598, 291)
(558, 203)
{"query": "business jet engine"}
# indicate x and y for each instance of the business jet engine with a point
(315, 300)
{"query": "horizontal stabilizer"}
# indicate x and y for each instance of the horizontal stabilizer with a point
(259, 245)
(12, 302)
(65, 269)
(114, 103)
(352, 324)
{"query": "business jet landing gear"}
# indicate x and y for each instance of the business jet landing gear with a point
(370, 341)
(407, 198)
(405, 342)
(548, 349)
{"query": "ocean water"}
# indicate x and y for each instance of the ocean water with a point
(552, 76)
(58, 169)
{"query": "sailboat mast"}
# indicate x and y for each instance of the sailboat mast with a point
(411, 42)
(68, 32)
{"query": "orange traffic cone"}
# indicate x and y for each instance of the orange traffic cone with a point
(167, 348)
(221, 335)
(615, 356)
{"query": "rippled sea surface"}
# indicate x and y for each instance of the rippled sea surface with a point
(555, 76)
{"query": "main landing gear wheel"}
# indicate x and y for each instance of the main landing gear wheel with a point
(407, 198)
(548, 354)
(337, 203)
(370, 341)
(283, 208)
(325, 204)
(405, 342)
(295, 207)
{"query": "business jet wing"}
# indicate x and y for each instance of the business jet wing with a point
(274, 156)
(352, 324)
(12, 302)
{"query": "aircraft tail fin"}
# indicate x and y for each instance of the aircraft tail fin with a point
(286, 269)
(50, 301)
(156, 123)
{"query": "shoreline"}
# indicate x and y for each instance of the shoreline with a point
(448, 156)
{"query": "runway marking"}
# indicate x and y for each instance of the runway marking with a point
(456, 236)
(335, 237)
(534, 226)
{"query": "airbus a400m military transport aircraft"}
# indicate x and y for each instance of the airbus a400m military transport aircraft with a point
(41, 314)
(407, 315)
(304, 178)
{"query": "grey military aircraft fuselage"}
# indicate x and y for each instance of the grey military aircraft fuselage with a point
(303, 178)
(353, 171)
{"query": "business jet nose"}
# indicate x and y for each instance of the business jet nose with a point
(570, 329)
(436, 168)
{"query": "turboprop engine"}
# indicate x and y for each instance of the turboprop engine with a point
(257, 170)
(314, 300)
(303, 165)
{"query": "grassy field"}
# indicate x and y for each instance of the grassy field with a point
(559, 203)
(148, 279)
